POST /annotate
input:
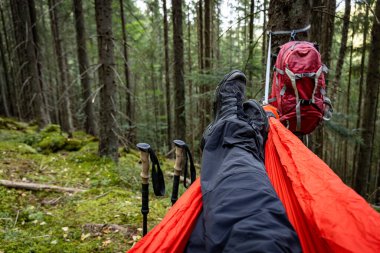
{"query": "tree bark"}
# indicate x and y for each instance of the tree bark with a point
(369, 114)
(322, 32)
(348, 102)
(264, 44)
(288, 15)
(128, 81)
(201, 104)
(65, 116)
(36, 41)
(167, 78)
(29, 79)
(250, 45)
(83, 63)
(361, 84)
(108, 141)
(179, 102)
(327, 31)
(343, 48)
(190, 82)
(207, 60)
(8, 69)
(4, 89)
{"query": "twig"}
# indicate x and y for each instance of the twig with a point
(18, 212)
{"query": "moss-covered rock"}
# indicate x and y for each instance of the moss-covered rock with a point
(73, 145)
(51, 143)
(11, 124)
(51, 128)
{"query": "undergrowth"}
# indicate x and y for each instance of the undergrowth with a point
(46, 221)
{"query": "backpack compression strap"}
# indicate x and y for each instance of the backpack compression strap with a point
(293, 77)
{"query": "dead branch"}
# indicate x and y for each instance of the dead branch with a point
(38, 187)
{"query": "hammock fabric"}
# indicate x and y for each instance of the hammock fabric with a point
(327, 215)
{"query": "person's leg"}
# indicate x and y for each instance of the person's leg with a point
(241, 211)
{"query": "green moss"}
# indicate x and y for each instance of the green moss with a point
(45, 221)
(51, 143)
(52, 128)
(73, 145)
(11, 124)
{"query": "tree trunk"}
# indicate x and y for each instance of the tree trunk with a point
(89, 124)
(250, 46)
(4, 89)
(369, 114)
(167, 78)
(8, 69)
(201, 100)
(343, 47)
(190, 88)
(29, 79)
(322, 32)
(264, 44)
(207, 60)
(348, 98)
(36, 41)
(108, 142)
(127, 74)
(327, 31)
(288, 15)
(66, 120)
(179, 101)
(361, 84)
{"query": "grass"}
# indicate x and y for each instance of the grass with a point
(44, 221)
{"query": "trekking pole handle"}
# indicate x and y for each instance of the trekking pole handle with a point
(144, 156)
(179, 158)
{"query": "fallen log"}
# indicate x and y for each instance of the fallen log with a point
(38, 187)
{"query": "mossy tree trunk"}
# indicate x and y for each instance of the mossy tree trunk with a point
(167, 78)
(179, 82)
(65, 115)
(83, 63)
(108, 141)
(32, 106)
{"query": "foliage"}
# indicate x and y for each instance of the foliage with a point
(43, 221)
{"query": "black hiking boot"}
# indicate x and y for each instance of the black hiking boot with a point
(257, 116)
(258, 119)
(228, 103)
(229, 96)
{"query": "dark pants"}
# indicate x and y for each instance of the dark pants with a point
(241, 211)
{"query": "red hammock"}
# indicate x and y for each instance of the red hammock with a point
(327, 215)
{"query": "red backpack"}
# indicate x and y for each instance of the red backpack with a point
(299, 88)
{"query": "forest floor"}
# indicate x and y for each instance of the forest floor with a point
(48, 221)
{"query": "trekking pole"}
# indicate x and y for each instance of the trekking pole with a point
(179, 155)
(183, 156)
(144, 155)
